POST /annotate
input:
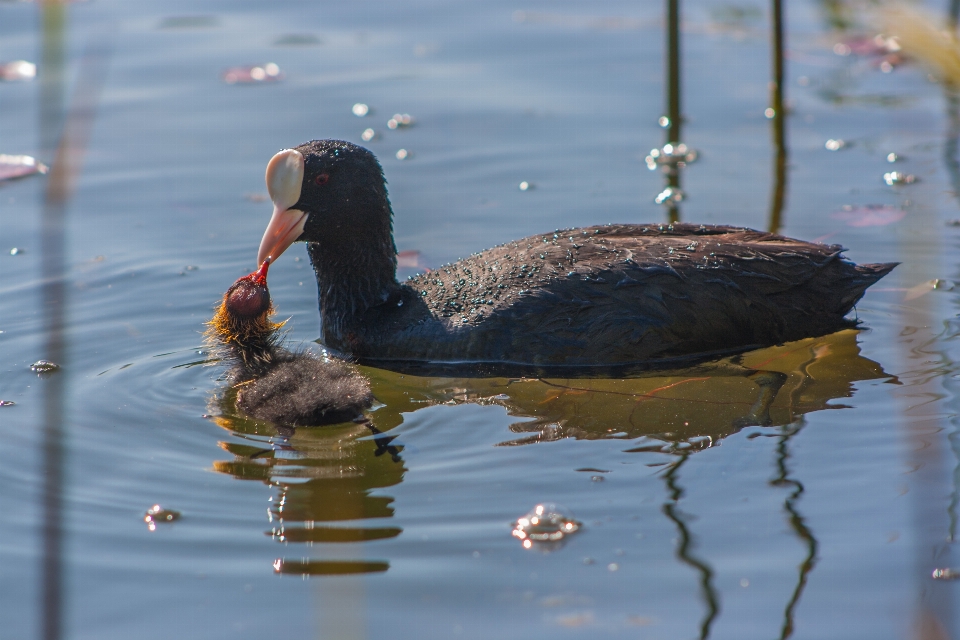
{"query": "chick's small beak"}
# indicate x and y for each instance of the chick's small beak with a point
(284, 178)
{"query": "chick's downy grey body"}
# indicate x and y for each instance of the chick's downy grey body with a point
(292, 388)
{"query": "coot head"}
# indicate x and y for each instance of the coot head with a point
(331, 192)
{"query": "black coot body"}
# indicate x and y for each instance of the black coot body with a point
(274, 384)
(607, 295)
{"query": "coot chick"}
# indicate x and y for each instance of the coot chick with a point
(273, 383)
(605, 295)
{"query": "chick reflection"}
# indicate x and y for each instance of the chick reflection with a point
(676, 409)
(324, 477)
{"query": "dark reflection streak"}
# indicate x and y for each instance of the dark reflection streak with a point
(670, 510)
(796, 522)
(779, 121)
(951, 144)
(673, 97)
(52, 243)
(954, 439)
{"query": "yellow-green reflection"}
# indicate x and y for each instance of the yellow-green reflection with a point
(328, 567)
(767, 387)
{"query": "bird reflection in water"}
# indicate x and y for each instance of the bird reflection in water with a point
(326, 476)
(653, 411)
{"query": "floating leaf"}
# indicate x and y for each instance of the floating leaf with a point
(12, 167)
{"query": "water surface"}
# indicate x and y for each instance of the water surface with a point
(697, 521)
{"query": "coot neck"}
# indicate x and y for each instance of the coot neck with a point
(350, 281)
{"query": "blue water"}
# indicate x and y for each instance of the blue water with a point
(690, 541)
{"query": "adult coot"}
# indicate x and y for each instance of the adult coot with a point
(273, 383)
(608, 295)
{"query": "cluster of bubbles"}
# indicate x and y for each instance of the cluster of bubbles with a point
(158, 515)
(269, 72)
(546, 523)
(43, 366)
(670, 157)
(398, 121)
(894, 178)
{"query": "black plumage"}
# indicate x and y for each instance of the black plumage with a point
(606, 295)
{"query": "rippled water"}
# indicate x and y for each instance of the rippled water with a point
(694, 521)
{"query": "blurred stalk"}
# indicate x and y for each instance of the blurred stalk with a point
(778, 121)
(673, 97)
(52, 295)
(64, 133)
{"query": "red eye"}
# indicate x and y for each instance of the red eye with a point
(321, 179)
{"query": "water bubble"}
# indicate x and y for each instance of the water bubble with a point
(360, 110)
(670, 157)
(269, 72)
(7, 403)
(892, 157)
(158, 515)
(664, 122)
(546, 522)
(613, 566)
(769, 113)
(368, 135)
(670, 195)
(597, 478)
(841, 49)
(16, 251)
(18, 70)
(893, 178)
(835, 144)
(43, 366)
(525, 186)
(400, 121)
(946, 574)
(588, 560)
(744, 583)
(940, 283)
(886, 66)
(403, 154)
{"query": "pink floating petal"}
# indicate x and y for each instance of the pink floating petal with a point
(12, 167)
(871, 215)
(18, 70)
